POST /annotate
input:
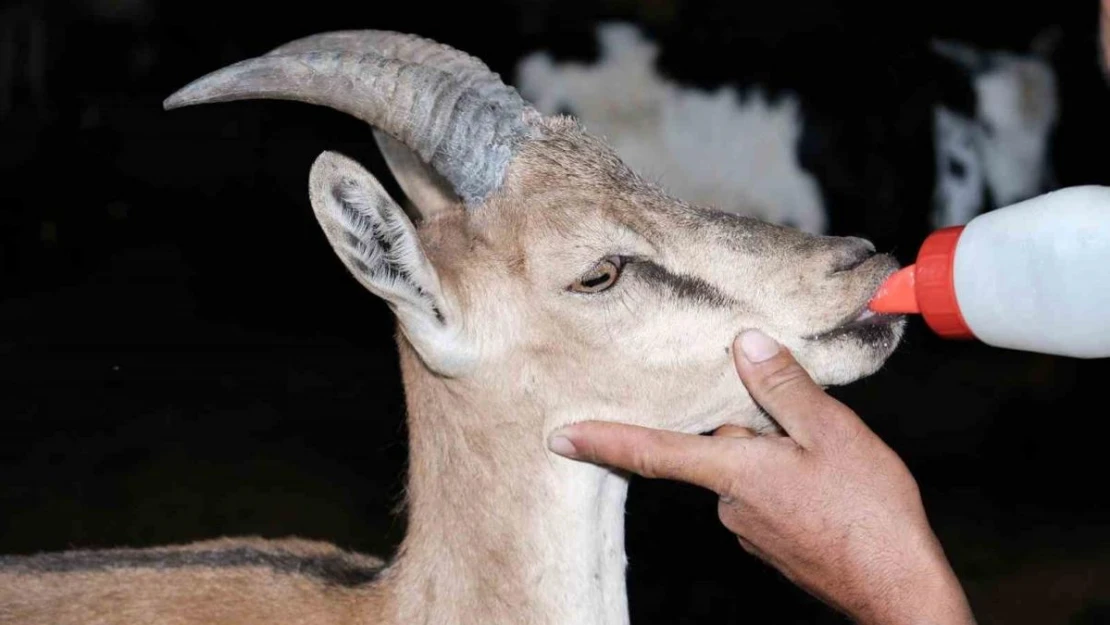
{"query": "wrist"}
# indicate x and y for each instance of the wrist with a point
(924, 590)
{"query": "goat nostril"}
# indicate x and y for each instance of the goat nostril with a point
(862, 245)
(856, 257)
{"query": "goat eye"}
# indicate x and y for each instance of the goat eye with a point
(601, 277)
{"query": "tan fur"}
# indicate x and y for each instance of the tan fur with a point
(214, 596)
(496, 356)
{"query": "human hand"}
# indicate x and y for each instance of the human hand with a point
(829, 505)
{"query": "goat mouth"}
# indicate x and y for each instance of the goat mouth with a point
(865, 325)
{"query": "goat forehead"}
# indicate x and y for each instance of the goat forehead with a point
(674, 233)
(723, 232)
(575, 184)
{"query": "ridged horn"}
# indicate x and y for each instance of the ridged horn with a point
(459, 117)
(400, 46)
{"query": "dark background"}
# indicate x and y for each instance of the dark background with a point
(182, 356)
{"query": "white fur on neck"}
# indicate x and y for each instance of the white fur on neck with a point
(583, 540)
(503, 531)
(575, 570)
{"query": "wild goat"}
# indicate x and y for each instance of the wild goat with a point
(730, 144)
(538, 283)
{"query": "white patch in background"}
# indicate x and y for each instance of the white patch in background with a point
(1017, 110)
(739, 154)
(1018, 105)
(960, 183)
(715, 149)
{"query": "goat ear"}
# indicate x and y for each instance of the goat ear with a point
(379, 246)
(961, 54)
(428, 191)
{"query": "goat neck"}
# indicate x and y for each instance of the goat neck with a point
(501, 530)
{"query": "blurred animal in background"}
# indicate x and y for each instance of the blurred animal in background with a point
(721, 148)
(996, 153)
(738, 149)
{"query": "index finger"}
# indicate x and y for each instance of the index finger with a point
(779, 384)
(712, 462)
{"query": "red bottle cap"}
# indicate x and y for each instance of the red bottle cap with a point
(927, 287)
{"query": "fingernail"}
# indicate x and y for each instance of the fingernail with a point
(562, 446)
(757, 346)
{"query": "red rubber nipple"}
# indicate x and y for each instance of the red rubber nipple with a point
(927, 287)
(898, 295)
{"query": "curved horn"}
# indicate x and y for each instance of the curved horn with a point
(400, 46)
(427, 190)
(466, 126)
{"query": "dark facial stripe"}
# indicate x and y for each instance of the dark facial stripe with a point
(331, 569)
(681, 286)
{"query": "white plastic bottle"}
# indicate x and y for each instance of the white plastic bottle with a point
(1033, 276)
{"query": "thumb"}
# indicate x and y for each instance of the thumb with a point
(779, 384)
(709, 462)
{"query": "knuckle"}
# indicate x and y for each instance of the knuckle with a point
(645, 461)
(911, 487)
(747, 546)
(729, 514)
(642, 465)
(782, 377)
(842, 436)
(590, 451)
(730, 489)
(850, 435)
